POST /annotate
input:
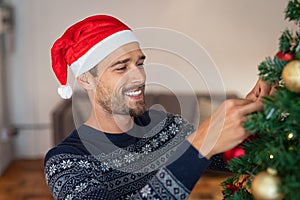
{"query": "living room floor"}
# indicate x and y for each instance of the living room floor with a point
(24, 180)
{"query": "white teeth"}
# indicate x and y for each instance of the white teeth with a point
(133, 93)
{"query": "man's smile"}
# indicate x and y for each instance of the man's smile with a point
(135, 91)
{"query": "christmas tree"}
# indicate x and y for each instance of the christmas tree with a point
(269, 165)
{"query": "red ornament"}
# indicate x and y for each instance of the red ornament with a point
(233, 153)
(238, 150)
(234, 187)
(285, 56)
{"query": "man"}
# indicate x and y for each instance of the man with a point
(123, 150)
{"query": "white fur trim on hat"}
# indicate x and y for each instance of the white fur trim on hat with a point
(102, 49)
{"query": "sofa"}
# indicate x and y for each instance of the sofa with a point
(69, 114)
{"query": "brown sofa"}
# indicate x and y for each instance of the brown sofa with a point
(69, 114)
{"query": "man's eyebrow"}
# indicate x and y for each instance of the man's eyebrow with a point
(143, 57)
(120, 62)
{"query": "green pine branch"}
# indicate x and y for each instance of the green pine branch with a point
(292, 12)
(285, 41)
(270, 70)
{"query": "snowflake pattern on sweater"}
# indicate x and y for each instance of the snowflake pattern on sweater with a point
(153, 166)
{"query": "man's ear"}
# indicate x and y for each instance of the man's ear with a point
(86, 80)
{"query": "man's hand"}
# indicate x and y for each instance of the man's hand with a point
(260, 89)
(225, 128)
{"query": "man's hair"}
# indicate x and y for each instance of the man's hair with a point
(94, 71)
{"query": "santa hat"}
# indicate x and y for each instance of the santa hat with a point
(84, 45)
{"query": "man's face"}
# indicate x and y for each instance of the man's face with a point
(121, 82)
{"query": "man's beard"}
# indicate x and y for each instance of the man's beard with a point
(117, 105)
(139, 110)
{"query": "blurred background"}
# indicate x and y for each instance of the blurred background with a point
(237, 34)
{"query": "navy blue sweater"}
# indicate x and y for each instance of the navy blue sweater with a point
(151, 161)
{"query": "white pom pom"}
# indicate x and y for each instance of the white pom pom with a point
(65, 91)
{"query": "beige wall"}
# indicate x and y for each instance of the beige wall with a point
(238, 34)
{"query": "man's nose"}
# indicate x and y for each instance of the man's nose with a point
(137, 75)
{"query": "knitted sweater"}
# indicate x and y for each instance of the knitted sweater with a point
(151, 161)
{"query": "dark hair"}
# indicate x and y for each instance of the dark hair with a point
(94, 71)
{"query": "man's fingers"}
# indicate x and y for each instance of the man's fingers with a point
(251, 107)
(273, 90)
(238, 102)
(252, 96)
(265, 90)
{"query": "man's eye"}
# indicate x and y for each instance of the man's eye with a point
(140, 65)
(121, 68)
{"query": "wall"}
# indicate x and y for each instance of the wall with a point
(238, 34)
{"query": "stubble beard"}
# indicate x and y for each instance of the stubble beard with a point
(116, 104)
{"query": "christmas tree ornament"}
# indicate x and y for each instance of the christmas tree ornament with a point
(233, 153)
(285, 56)
(284, 116)
(241, 182)
(265, 185)
(291, 148)
(237, 151)
(290, 136)
(291, 76)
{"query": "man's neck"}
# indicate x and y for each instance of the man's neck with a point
(110, 123)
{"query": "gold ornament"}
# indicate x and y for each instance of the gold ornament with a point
(291, 75)
(265, 186)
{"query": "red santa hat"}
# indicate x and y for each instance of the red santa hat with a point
(84, 45)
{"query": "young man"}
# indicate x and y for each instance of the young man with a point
(124, 151)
